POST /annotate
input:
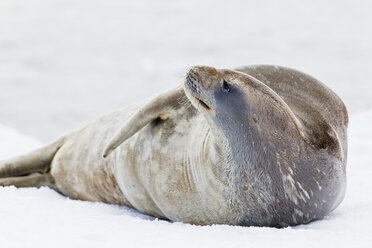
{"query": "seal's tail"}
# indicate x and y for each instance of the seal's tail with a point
(32, 169)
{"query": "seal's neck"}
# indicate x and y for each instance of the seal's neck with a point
(205, 160)
(203, 154)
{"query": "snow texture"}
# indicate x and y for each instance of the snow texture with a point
(43, 218)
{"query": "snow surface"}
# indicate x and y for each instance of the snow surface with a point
(43, 218)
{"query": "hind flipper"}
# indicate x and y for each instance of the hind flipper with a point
(32, 180)
(36, 161)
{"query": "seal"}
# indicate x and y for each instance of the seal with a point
(255, 146)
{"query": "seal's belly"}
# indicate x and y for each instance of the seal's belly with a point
(149, 171)
(78, 168)
(86, 178)
(155, 178)
(158, 177)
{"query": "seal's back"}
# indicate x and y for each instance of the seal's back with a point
(321, 112)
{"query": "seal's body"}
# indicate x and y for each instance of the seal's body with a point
(156, 171)
(260, 145)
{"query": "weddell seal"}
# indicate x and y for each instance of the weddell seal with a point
(258, 145)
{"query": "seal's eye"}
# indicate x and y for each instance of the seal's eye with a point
(226, 86)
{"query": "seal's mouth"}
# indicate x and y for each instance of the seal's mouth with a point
(203, 104)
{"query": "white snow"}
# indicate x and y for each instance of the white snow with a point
(42, 218)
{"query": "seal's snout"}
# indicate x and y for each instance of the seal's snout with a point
(194, 86)
(203, 76)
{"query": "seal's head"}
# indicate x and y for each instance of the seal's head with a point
(236, 102)
(274, 165)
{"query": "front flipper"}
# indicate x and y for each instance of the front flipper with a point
(159, 107)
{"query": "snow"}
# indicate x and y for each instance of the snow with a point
(42, 218)
(64, 63)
